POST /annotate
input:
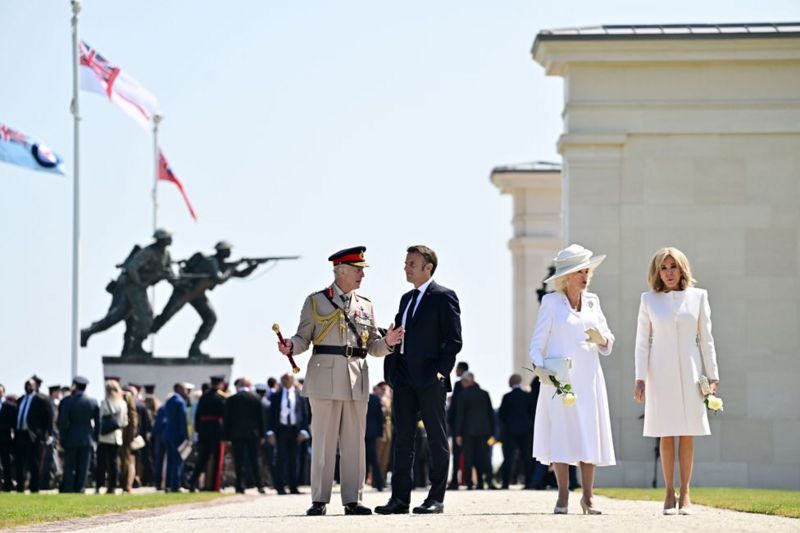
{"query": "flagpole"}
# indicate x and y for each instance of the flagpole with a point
(75, 108)
(156, 121)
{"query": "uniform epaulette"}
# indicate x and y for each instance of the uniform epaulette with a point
(220, 393)
(364, 298)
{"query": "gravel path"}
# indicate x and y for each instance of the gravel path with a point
(513, 510)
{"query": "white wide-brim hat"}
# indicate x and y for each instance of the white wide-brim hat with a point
(572, 259)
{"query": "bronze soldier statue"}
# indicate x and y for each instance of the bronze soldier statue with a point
(143, 267)
(198, 274)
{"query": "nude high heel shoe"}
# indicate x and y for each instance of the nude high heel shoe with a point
(587, 509)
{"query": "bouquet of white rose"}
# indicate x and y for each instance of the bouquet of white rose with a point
(712, 401)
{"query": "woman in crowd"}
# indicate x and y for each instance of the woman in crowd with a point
(674, 348)
(113, 418)
(571, 326)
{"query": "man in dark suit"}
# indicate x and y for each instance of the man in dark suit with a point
(34, 429)
(419, 370)
(8, 421)
(374, 431)
(209, 418)
(287, 427)
(175, 432)
(474, 426)
(78, 424)
(245, 427)
(516, 430)
(458, 386)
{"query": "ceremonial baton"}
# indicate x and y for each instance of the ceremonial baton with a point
(277, 329)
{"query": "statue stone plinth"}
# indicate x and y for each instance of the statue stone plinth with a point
(164, 372)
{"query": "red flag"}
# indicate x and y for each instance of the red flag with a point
(165, 173)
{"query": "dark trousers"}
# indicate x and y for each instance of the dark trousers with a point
(269, 461)
(456, 451)
(107, 466)
(286, 461)
(244, 451)
(407, 403)
(5, 462)
(159, 452)
(174, 467)
(522, 443)
(28, 455)
(76, 466)
(208, 449)
(476, 455)
(373, 465)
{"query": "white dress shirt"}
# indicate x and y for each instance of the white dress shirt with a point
(422, 288)
(288, 402)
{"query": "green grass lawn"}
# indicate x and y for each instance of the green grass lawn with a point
(25, 509)
(773, 502)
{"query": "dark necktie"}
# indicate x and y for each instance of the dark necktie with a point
(411, 306)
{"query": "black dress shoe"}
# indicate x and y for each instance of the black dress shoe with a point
(316, 509)
(281, 492)
(295, 491)
(429, 507)
(261, 490)
(356, 508)
(393, 507)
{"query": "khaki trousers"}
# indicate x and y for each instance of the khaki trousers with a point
(342, 423)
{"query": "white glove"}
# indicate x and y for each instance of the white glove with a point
(543, 374)
(594, 336)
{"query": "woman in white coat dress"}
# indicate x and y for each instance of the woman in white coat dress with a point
(571, 325)
(674, 347)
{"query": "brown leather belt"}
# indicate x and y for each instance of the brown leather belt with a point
(347, 351)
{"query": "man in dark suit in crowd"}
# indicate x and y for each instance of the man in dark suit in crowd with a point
(516, 430)
(174, 433)
(78, 424)
(34, 429)
(474, 426)
(374, 431)
(287, 427)
(8, 421)
(209, 418)
(419, 370)
(267, 450)
(245, 427)
(458, 386)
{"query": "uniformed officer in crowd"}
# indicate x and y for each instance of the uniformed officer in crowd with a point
(129, 302)
(341, 326)
(205, 273)
(208, 424)
(79, 424)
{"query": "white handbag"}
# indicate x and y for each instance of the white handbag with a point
(561, 367)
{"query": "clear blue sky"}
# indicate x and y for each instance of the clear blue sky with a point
(297, 128)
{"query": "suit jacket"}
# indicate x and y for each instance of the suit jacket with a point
(432, 338)
(175, 424)
(244, 417)
(210, 415)
(516, 413)
(475, 416)
(40, 416)
(300, 408)
(375, 418)
(79, 420)
(335, 377)
(8, 420)
(458, 388)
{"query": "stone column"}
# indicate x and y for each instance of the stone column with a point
(536, 222)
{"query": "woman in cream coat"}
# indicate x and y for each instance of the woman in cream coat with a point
(571, 324)
(108, 445)
(674, 347)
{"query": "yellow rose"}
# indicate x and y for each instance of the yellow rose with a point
(714, 403)
(569, 399)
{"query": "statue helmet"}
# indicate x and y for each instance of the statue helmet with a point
(162, 233)
(223, 245)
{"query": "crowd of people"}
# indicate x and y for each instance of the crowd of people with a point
(67, 441)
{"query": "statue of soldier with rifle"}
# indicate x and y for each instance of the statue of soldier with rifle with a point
(142, 268)
(198, 274)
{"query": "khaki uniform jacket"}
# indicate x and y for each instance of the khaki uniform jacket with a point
(336, 377)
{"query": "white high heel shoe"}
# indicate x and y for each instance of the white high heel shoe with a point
(560, 510)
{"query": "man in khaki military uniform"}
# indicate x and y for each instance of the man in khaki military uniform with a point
(341, 326)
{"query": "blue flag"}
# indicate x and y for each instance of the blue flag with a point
(19, 149)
